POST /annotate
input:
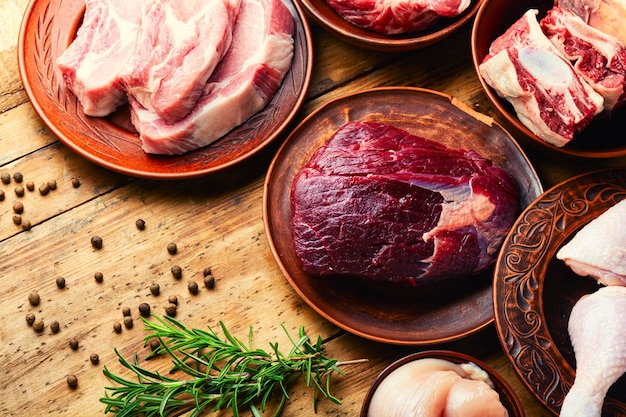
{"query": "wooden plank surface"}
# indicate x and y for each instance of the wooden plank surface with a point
(215, 221)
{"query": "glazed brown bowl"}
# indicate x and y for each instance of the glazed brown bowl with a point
(508, 398)
(598, 140)
(327, 18)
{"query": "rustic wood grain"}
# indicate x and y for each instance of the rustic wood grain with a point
(216, 222)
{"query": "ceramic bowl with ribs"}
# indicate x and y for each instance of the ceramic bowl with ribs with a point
(598, 140)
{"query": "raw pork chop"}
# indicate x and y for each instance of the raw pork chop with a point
(598, 57)
(180, 44)
(597, 329)
(606, 15)
(599, 249)
(243, 82)
(397, 16)
(92, 63)
(547, 94)
(380, 204)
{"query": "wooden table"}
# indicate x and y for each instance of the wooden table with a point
(215, 221)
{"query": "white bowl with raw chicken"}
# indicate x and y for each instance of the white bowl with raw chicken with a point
(556, 322)
(596, 123)
(433, 380)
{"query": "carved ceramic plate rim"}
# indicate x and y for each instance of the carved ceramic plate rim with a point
(340, 106)
(544, 377)
(39, 42)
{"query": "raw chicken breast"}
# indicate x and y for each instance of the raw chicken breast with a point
(435, 388)
(597, 328)
(599, 249)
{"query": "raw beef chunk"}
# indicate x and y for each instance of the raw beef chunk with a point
(380, 204)
(605, 15)
(599, 58)
(397, 16)
(92, 63)
(548, 95)
(244, 81)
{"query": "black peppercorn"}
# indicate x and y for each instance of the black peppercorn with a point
(177, 271)
(144, 309)
(60, 282)
(193, 287)
(96, 242)
(172, 248)
(140, 223)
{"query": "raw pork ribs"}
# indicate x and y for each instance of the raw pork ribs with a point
(379, 204)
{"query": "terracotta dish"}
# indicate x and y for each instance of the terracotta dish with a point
(326, 17)
(447, 315)
(49, 27)
(534, 292)
(508, 398)
(602, 139)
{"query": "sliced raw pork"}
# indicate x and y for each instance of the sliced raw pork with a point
(397, 16)
(606, 15)
(598, 250)
(598, 57)
(597, 329)
(179, 45)
(379, 204)
(549, 97)
(244, 81)
(92, 63)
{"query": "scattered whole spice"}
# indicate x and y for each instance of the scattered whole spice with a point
(72, 381)
(17, 219)
(26, 225)
(18, 177)
(177, 271)
(34, 299)
(172, 248)
(30, 318)
(52, 184)
(38, 325)
(94, 358)
(209, 282)
(55, 327)
(144, 309)
(98, 276)
(1, 195)
(30, 186)
(75, 182)
(155, 289)
(19, 191)
(154, 344)
(44, 189)
(74, 343)
(126, 311)
(170, 310)
(60, 282)
(6, 178)
(192, 287)
(140, 223)
(96, 242)
(117, 327)
(173, 299)
(18, 207)
(207, 271)
(128, 322)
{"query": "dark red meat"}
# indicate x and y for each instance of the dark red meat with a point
(381, 204)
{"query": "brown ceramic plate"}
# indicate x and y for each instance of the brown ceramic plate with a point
(327, 18)
(602, 139)
(48, 28)
(508, 398)
(448, 315)
(534, 292)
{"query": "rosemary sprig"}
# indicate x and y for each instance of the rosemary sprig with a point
(218, 372)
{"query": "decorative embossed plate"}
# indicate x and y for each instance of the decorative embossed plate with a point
(415, 318)
(48, 28)
(534, 292)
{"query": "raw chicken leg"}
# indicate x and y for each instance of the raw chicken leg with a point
(599, 248)
(597, 328)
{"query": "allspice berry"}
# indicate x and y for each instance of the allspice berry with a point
(19, 191)
(126, 311)
(30, 186)
(72, 381)
(60, 282)
(55, 327)
(155, 289)
(192, 287)
(144, 309)
(44, 189)
(38, 325)
(34, 299)
(170, 310)
(140, 223)
(18, 177)
(94, 358)
(177, 272)
(75, 182)
(209, 282)
(117, 327)
(74, 343)
(96, 242)
(30, 318)
(172, 248)
(18, 207)
(98, 276)
(128, 322)
(173, 299)
(26, 225)
(6, 177)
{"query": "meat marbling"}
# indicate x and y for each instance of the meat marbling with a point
(243, 82)
(397, 16)
(548, 95)
(380, 204)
